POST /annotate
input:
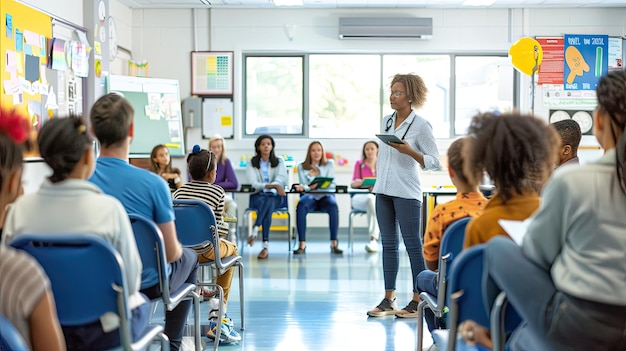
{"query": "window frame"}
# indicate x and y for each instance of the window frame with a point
(450, 106)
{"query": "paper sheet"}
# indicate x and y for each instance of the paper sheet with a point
(515, 229)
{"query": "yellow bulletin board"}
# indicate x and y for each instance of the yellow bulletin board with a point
(24, 33)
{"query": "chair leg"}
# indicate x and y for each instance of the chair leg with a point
(420, 325)
(241, 296)
(196, 321)
(165, 342)
(351, 232)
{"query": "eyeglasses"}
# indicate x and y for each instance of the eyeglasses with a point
(397, 94)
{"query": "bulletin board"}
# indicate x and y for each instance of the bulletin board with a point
(24, 33)
(158, 117)
(217, 118)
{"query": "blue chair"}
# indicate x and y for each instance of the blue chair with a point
(195, 225)
(465, 297)
(451, 246)
(504, 319)
(152, 251)
(10, 338)
(282, 210)
(87, 278)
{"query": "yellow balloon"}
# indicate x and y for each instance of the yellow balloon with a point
(526, 55)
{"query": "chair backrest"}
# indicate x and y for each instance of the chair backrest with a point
(86, 275)
(452, 239)
(10, 338)
(465, 287)
(195, 224)
(152, 251)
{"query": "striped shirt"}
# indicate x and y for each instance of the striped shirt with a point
(23, 284)
(213, 195)
(399, 174)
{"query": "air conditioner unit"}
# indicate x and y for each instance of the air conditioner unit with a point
(385, 28)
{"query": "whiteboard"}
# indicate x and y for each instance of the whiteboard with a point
(217, 118)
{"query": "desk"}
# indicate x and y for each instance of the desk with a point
(432, 194)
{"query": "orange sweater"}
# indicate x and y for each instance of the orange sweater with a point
(465, 205)
(481, 229)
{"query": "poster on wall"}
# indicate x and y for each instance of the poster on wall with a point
(211, 73)
(586, 60)
(615, 53)
(551, 68)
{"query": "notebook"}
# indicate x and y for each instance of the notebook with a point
(323, 182)
(368, 182)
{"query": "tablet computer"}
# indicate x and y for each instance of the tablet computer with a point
(389, 138)
(322, 182)
(368, 182)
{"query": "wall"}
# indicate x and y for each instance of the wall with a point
(166, 37)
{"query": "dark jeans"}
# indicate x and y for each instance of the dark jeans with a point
(265, 204)
(326, 204)
(184, 270)
(553, 320)
(92, 337)
(427, 282)
(391, 211)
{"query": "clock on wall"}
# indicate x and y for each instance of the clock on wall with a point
(112, 39)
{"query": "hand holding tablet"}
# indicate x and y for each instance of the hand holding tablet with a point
(389, 138)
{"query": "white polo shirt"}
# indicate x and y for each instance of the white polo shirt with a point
(399, 174)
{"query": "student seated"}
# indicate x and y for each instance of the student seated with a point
(161, 164)
(316, 165)
(469, 202)
(227, 179)
(566, 281)
(25, 297)
(570, 133)
(268, 176)
(518, 152)
(144, 193)
(364, 168)
(70, 204)
(201, 165)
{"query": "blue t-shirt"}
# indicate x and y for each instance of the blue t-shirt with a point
(140, 192)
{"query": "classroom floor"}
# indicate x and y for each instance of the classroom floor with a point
(317, 301)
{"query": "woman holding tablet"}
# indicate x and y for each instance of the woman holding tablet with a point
(398, 188)
(366, 168)
(316, 167)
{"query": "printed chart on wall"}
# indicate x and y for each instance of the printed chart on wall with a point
(158, 118)
(24, 41)
(586, 60)
(217, 118)
(211, 73)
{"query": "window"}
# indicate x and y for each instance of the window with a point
(274, 95)
(435, 71)
(344, 95)
(483, 83)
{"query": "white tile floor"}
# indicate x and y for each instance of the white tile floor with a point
(317, 301)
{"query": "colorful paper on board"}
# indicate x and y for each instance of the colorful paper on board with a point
(586, 60)
(19, 40)
(9, 26)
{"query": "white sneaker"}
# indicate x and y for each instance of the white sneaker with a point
(372, 246)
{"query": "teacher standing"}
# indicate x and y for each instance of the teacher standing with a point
(398, 189)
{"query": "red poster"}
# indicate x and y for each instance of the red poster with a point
(551, 68)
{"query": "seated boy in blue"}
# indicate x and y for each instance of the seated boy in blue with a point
(144, 193)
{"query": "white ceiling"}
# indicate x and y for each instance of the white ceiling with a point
(235, 4)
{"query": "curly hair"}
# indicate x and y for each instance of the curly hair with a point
(570, 133)
(416, 89)
(62, 142)
(14, 131)
(200, 162)
(517, 151)
(611, 93)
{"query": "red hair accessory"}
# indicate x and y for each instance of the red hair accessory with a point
(15, 126)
